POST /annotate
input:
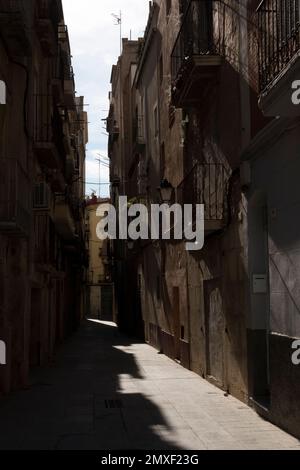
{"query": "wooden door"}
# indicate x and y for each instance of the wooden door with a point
(215, 331)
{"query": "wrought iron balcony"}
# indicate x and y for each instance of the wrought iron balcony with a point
(196, 54)
(63, 38)
(67, 69)
(63, 218)
(112, 129)
(279, 55)
(207, 184)
(138, 133)
(58, 76)
(48, 135)
(279, 27)
(14, 26)
(70, 165)
(14, 198)
(44, 241)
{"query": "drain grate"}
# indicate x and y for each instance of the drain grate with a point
(113, 404)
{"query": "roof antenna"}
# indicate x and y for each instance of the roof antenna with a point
(118, 22)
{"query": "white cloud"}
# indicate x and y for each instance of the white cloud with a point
(95, 48)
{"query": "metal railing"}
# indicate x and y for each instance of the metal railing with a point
(65, 53)
(279, 37)
(14, 197)
(195, 37)
(48, 9)
(63, 36)
(47, 120)
(48, 127)
(58, 67)
(14, 16)
(206, 184)
(12, 6)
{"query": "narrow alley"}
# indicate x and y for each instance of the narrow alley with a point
(105, 392)
(149, 238)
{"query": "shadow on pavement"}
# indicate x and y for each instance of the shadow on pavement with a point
(93, 397)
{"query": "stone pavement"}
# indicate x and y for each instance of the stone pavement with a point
(104, 392)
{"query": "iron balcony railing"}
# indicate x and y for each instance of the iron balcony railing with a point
(58, 68)
(15, 26)
(11, 7)
(138, 130)
(48, 122)
(65, 53)
(49, 9)
(279, 37)
(63, 37)
(206, 184)
(48, 127)
(195, 37)
(63, 65)
(14, 197)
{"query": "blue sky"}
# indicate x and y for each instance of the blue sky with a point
(95, 48)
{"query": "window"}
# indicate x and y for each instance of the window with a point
(182, 333)
(41, 196)
(168, 7)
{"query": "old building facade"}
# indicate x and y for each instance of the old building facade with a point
(201, 96)
(42, 152)
(119, 127)
(100, 289)
(271, 165)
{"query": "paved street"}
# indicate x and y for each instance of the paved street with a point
(104, 392)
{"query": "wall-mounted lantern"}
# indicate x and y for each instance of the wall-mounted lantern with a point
(130, 245)
(166, 191)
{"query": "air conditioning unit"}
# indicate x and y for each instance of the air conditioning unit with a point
(41, 196)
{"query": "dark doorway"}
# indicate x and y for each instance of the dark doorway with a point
(107, 298)
(177, 323)
(258, 332)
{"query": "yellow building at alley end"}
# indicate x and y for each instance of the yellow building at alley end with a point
(100, 289)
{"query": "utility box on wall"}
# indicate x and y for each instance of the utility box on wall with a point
(2, 104)
(260, 284)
